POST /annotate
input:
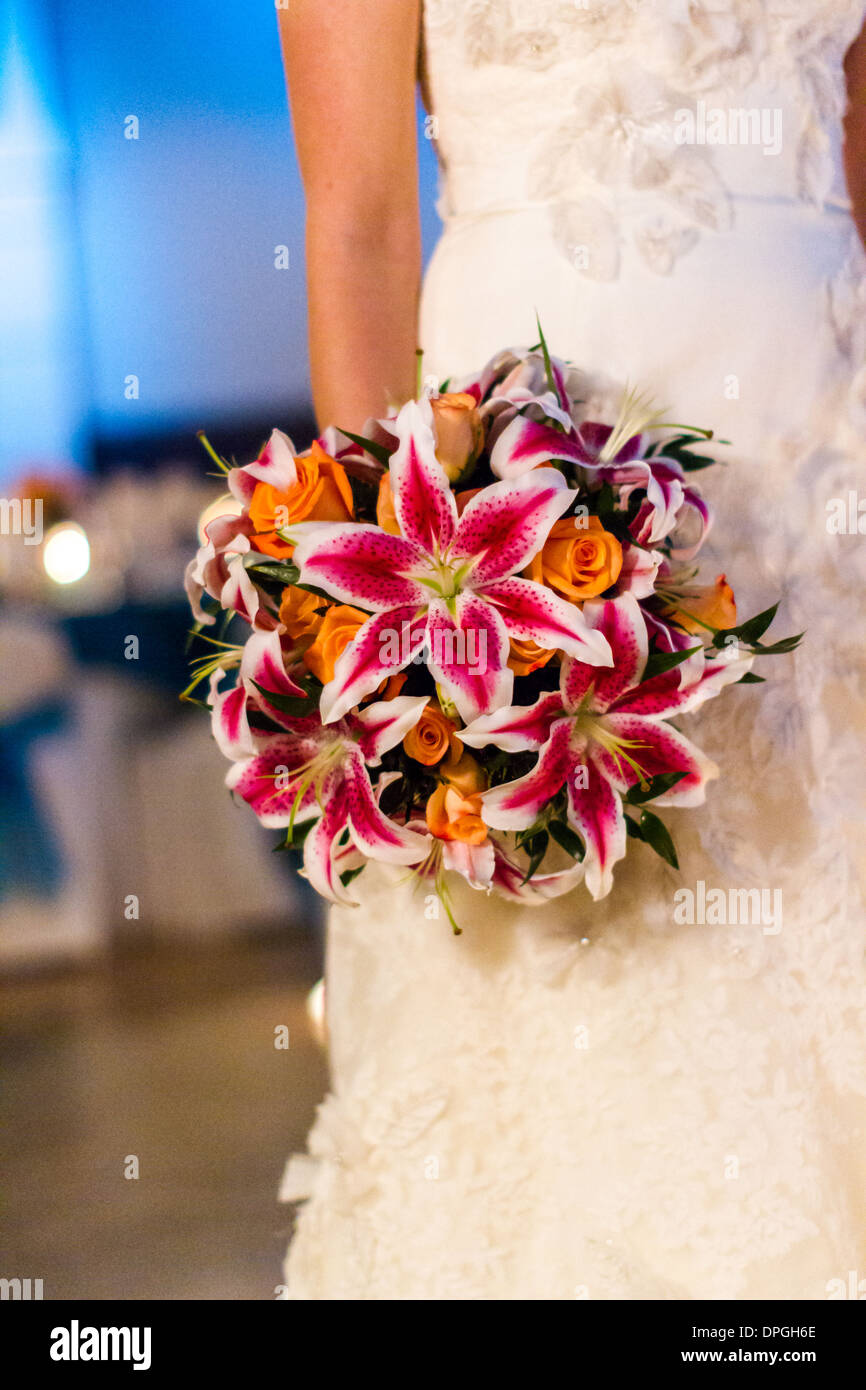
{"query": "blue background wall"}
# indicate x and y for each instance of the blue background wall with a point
(151, 257)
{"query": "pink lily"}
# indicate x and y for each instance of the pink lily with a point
(601, 734)
(528, 444)
(508, 877)
(321, 772)
(526, 389)
(613, 455)
(445, 587)
(218, 570)
(261, 668)
(488, 866)
(516, 379)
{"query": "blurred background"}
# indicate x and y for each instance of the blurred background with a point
(152, 946)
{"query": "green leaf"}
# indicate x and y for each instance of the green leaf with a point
(605, 501)
(750, 679)
(566, 838)
(536, 848)
(785, 644)
(346, 878)
(659, 662)
(751, 629)
(378, 451)
(282, 570)
(548, 366)
(523, 838)
(654, 833)
(693, 462)
(680, 448)
(754, 628)
(655, 787)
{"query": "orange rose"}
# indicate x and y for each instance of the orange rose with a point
(462, 772)
(430, 739)
(706, 606)
(578, 561)
(528, 656)
(451, 816)
(321, 493)
(299, 613)
(339, 625)
(385, 514)
(459, 431)
(391, 686)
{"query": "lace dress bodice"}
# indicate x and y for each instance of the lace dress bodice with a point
(661, 114)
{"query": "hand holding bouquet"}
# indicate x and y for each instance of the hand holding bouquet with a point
(469, 632)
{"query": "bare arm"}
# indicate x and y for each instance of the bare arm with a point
(350, 67)
(855, 131)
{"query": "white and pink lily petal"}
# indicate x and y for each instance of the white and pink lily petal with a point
(229, 723)
(532, 612)
(489, 866)
(424, 503)
(639, 573)
(621, 622)
(669, 509)
(227, 539)
(381, 726)
(631, 749)
(275, 465)
(239, 594)
(517, 805)
(466, 649)
(528, 443)
(384, 645)
(595, 811)
(508, 878)
(261, 669)
(475, 863)
(694, 522)
(354, 457)
(273, 780)
(506, 524)
(518, 728)
(661, 480)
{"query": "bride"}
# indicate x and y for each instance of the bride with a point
(598, 1100)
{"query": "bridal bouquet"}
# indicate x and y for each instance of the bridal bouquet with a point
(467, 635)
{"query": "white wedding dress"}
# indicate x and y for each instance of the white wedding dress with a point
(591, 1100)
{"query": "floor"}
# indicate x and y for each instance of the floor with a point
(162, 1062)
